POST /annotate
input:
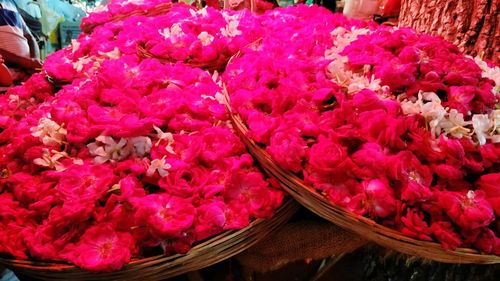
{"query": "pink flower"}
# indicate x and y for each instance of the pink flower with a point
(490, 185)
(469, 211)
(101, 248)
(488, 242)
(305, 117)
(386, 130)
(251, 190)
(261, 126)
(415, 226)
(414, 177)
(327, 156)
(443, 231)
(340, 193)
(288, 149)
(460, 98)
(380, 201)
(397, 74)
(130, 187)
(184, 182)
(219, 143)
(490, 154)
(167, 216)
(448, 172)
(367, 100)
(369, 158)
(10, 240)
(210, 219)
(87, 182)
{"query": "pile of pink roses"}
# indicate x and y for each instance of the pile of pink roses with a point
(136, 154)
(118, 9)
(203, 38)
(137, 157)
(388, 123)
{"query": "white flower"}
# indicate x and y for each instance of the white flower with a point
(158, 165)
(455, 124)
(49, 132)
(336, 71)
(105, 149)
(136, 2)
(495, 119)
(142, 145)
(411, 107)
(113, 54)
(492, 73)
(75, 45)
(82, 61)
(481, 124)
(205, 38)
(172, 33)
(165, 33)
(14, 99)
(231, 29)
(51, 161)
(167, 137)
(202, 12)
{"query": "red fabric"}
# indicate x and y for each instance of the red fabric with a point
(391, 8)
(213, 4)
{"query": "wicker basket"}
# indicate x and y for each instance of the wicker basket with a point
(157, 10)
(207, 253)
(218, 65)
(365, 227)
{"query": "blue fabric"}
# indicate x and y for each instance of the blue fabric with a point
(8, 276)
(9, 14)
(8, 17)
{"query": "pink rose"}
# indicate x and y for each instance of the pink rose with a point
(415, 226)
(167, 216)
(380, 201)
(490, 185)
(101, 249)
(469, 211)
(288, 149)
(327, 156)
(210, 219)
(488, 242)
(443, 231)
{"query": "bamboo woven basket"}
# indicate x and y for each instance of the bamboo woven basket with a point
(365, 227)
(157, 10)
(218, 65)
(209, 252)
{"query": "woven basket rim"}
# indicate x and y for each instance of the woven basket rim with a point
(363, 226)
(206, 253)
(153, 11)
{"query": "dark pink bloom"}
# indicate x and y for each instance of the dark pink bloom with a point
(288, 149)
(210, 219)
(490, 185)
(101, 248)
(415, 226)
(380, 201)
(443, 231)
(488, 242)
(327, 156)
(167, 216)
(469, 211)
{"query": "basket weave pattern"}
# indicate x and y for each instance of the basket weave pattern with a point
(365, 227)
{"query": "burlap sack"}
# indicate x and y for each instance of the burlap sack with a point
(299, 241)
